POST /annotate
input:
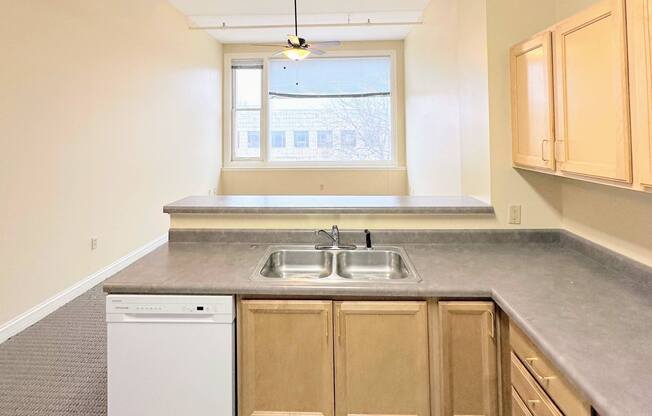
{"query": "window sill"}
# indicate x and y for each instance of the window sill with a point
(312, 168)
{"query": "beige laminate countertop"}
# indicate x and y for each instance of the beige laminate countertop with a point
(593, 322)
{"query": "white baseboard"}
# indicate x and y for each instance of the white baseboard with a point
(43, 309)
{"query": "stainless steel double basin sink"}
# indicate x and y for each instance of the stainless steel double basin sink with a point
(305, 264)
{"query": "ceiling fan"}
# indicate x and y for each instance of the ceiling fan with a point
(297, 48)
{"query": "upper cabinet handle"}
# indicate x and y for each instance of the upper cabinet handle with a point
(543, 150)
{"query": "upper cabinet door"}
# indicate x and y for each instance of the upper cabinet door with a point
(591, 93)
(469, 381)
(532, 103)
(639, 20)
(381, 359)
(286, 358)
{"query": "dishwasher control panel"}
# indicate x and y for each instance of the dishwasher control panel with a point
(170, 304)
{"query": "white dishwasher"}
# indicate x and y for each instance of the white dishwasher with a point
(170, 355)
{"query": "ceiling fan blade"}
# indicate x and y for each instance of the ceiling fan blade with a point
(332, 44)
(316, 51)
(294, 40)
(267, 45)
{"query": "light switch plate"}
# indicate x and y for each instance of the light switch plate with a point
(514, 214)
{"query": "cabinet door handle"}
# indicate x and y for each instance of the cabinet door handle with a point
(492, 324)
(529, 363)
(543, 150)
(339, 326)
(560, 156)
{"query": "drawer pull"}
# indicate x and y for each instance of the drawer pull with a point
(529, 363)
(533, 403)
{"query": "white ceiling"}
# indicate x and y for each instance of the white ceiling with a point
(260, 21)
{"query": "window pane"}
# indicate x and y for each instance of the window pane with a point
(247, 86)
(301, 139)
(315, 97)
(246, 136)
(348, 138)
(278, 139)
(324, 138)
(253, 139)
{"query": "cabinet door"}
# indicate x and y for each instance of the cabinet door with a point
(639, 20)
(381, 356)
(591, 93)
(286, 358)
(532, 103)
(469, 382)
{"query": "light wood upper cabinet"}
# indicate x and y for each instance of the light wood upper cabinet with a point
(469, 383)
(286, 358)
(381, 356)
(591, 93)
(639, 21)
(532, 103)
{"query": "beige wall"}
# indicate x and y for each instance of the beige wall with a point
(566, 8)
(314, 182)
(472, 62)
(393, 181)
(432, 102)
(108, 110)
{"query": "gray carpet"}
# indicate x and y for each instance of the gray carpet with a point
(58, 365)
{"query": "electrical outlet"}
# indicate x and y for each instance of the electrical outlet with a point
(93, 243)
(514, 214)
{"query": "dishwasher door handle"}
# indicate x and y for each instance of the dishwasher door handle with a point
(206, 318)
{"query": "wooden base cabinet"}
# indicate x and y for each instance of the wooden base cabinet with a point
(467, 350)
(367, 358)
(381, 359)
(286, 358)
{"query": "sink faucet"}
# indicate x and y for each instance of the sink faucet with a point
(334, 236)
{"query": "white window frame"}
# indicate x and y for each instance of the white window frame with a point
(263, 162)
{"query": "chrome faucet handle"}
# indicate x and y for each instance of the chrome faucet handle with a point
(335, 234)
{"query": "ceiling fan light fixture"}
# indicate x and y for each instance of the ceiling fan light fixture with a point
(296, 54)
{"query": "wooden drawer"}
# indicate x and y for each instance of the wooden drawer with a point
(519, 408)
(546, 375)
(535, 399)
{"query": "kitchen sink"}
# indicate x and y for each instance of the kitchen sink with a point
(305, 264)
(372, 265)
(293, 263)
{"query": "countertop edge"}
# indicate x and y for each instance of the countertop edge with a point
(434, 210)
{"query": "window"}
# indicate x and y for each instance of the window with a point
(247, 106)
(351, 96)
(253, 139)
(278, 139)
(347, 138)
(324, 138)
(301, 139)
